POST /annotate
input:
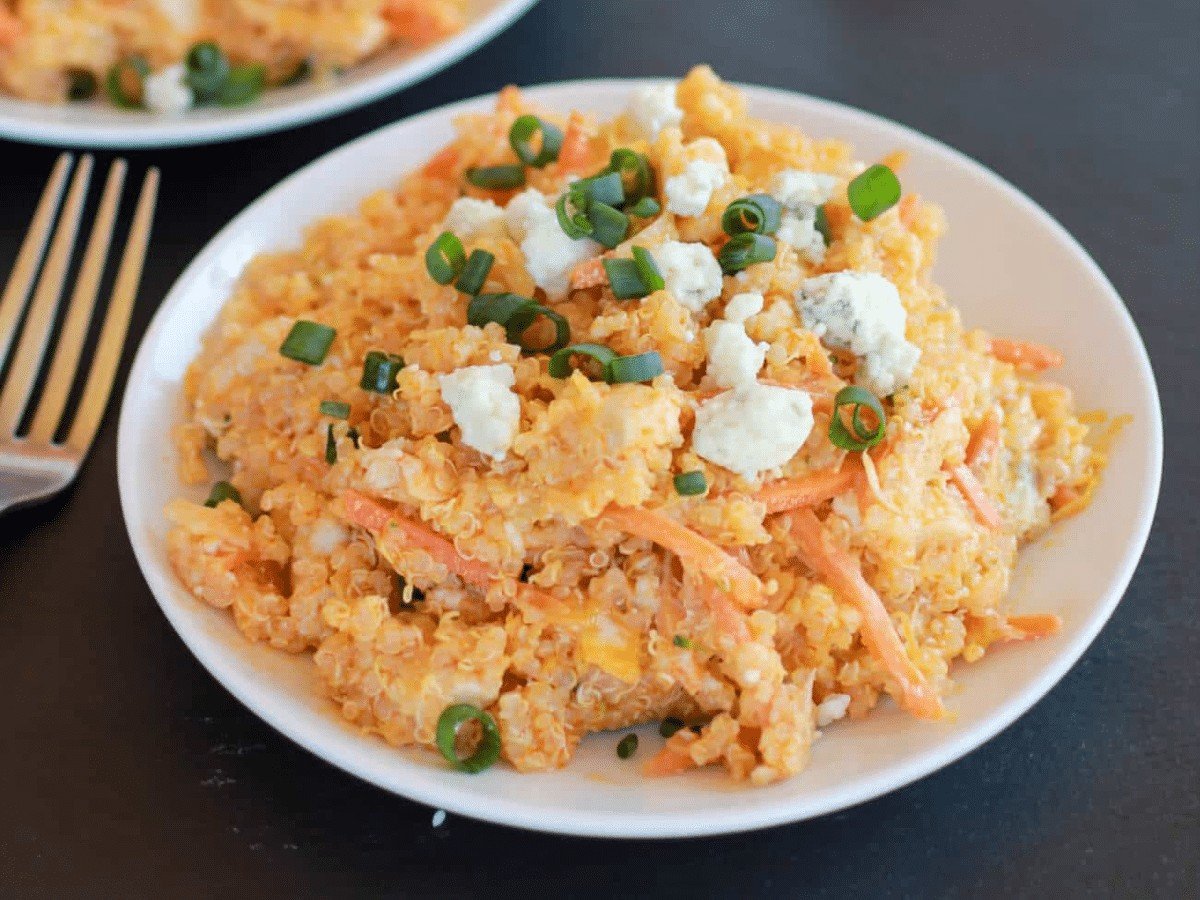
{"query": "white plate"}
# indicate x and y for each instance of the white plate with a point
(99, 124)
(1005, 262)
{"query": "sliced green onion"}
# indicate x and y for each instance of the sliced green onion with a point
(609, 225)
(561, 364)
(354, 436)
(488, 749)
(445, 258)
(745, 250)
(683, 642)
(757, 213)
(335, 409)
(627, 746)
(637, 177)
(648, 269)
(222, 491)
(126, 80)
(308, 342)
(821, 223)
(624, 279)
(858, 436)
(497, 177)
(873, 192)
(379, 372)
(572, 217)
(330, 446)
(517, 314)
(634, 369)
(81, 85)
(475, 272)
(669, 726)
(521, 134)
(207, 67)
(603, 188)
(690, 484)
(645, 208)
(302, 71)
(242, 85)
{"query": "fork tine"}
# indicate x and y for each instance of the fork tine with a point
(79, 313)
(26, 265)
(116, 321)
(36, 333)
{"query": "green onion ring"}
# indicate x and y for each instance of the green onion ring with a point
(636, 174)
(222, 491)
(561, 364)
(861, 438)
(379, 372)
(242, 85)
(757, 213)
(821, 224)
(648, 269)
(497, 177)
(690, 484)
(634, 369)
(669, 726)
(445, 258)
(133, 67)
(517, 314)
(627, 746)
(330, 446)
(744, 250)
(609, 225)
(475, 272)
(335, 409)
(206, 67)
(81, 85)
(486, 753)
(873, 192)
(520, 137)
(308, 342)
(605, 187)
(574, 224)
(645, 208)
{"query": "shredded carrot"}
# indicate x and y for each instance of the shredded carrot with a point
(673, 758)
(698, 554)
(399, 533)
(1064, 495)
(442, 165)
(985, 510)
(838, 215)
(908, 209)
(1036, 625)
(844, 576)
(730, 620)
(809, 490)
(1025, 354)
(896, 160)
(588, 274)
(576, 152)
(984, 442)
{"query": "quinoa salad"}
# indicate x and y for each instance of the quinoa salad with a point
(167, 56)
(593, 424)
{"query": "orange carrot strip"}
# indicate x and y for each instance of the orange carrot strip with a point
(442, 165)
(509, 100)
(11, 28)
(729, 620)
(895, 160)
(588, 274)
(411, 21)
(576, 151)
(1036, 625)
(844, 575)
(401, 533)
(673, 758)
(1026, 354)
(908, 209)
(697, 553)
(808, 490)
(984, 442)
(985, 510)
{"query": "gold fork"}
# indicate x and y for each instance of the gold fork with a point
(33, 465)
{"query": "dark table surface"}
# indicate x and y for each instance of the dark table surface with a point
(126, 770)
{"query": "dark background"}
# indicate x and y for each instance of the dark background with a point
(125, 769)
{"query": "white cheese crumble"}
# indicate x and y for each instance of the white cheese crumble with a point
(373, 34)
(550, 254)
(861, 312)
(753, 428)
(689, 193)
(327, 535)
(742, 306)
(801, 193)
(691, 272)
(832, 708)
(468, 216)
(484, 406)
(166, 92)
(733, 358)
(654, 108)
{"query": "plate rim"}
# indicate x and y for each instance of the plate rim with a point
(160, 132)
(637, 825)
